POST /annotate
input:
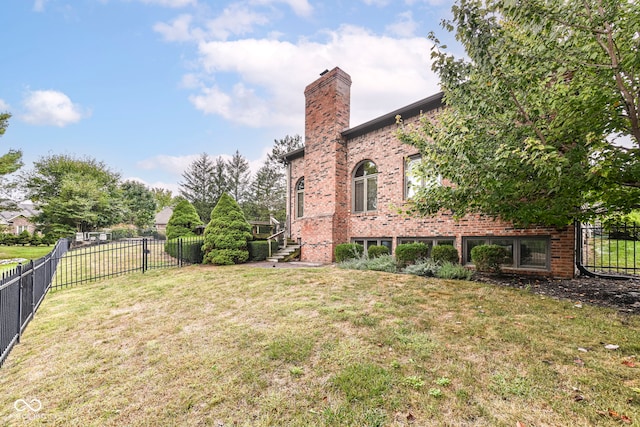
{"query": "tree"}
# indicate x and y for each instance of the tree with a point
(267, 194)
(227, 234)
(238, 177)
(9, 163)
(139, 204)
(73, 194)
(163, 198)
(531, 114)
(197, 186)
(268, 189)
(183, 221)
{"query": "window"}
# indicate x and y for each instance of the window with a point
(368, 242)
(523, 252)
(430, 242)
(21, 228)
(412, 179)
(300, 198)
(365, 187)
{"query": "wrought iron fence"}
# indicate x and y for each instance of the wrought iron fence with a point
(609, 248)
(23, 288)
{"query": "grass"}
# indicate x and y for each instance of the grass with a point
(613, 255)
(250, 346)
(26, 252)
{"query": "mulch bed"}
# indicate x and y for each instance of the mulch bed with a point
(623, 295)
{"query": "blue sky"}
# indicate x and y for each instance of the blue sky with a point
(147, 85)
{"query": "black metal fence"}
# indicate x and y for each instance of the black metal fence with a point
(609, 248)
(23, 288)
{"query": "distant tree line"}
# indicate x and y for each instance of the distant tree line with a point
(260, 196)
(75, 194)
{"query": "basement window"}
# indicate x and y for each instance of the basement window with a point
(523, 252)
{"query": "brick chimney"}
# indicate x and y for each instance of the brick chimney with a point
(327, 109)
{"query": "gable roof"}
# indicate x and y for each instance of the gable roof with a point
(25, 209)
(164, 215)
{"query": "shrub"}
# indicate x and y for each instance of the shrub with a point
(24, 238)
(345, 251)
(450, 270)
(122, 233)
(426, 268)
(259, 249)
(227, 234)
(36, 240)
(409, 253)
(488, 257)
(382, 263)
(445, 253)
(191, 249)
(183, 221)
(376, 251)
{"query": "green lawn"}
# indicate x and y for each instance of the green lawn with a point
(248, 346)
(26, 252)
(617, 254)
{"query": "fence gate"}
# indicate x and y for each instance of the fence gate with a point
(609, 249)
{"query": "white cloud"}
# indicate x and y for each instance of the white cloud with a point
(3, 106)
(171, 3)
(237, 19)
(38, 5)
(404, 26)
(178, 30)
(300, 7)
(272, 75)
(172, 164)
(50, 107)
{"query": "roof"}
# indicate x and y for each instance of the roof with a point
(427, 104)
(164, 215)
(25, 209)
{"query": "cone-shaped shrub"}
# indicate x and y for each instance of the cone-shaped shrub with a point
(183, 221)
(227, 234)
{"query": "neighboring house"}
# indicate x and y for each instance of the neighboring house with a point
(19, 220)
(347, 185)
(162, 218)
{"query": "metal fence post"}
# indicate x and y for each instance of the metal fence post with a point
(20, 286)
(144, 255)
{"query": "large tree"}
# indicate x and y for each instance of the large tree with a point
(268, 188)
(204, 182)
(9, 163)
(536, 112)
(238, 178)
(139, 204)
(73, 194)
(163, 198)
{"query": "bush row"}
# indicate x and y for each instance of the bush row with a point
(192, 249)
(24, 238)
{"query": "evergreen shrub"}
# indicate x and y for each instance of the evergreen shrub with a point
(259, 249)
(445, 253)
(409, 253)
(376, 251)
(227, 234)
(488, 257)
(346, 251)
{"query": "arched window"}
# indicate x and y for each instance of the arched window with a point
(365, 187)
(300, 198)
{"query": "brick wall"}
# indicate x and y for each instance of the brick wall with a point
(329, 163)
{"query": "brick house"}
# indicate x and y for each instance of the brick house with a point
(17, 221)
(347, 183)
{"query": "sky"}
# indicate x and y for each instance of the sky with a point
(147, 86)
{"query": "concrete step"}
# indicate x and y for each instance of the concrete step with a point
(282, 253)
